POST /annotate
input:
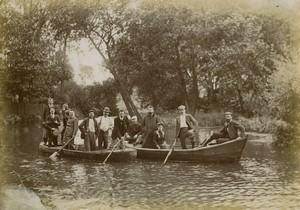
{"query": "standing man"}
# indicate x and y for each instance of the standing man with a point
(149, 125)
(46, 113)
(90, 130)
(121, 124)
(230, 130)
(105, 124)
(71, 130)
(186, 125)
(52, 123)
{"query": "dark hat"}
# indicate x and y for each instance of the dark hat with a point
(91, 110)
(106, 109)
(160, 123)
(228, 113)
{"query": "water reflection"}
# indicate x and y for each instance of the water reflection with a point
(266, 177)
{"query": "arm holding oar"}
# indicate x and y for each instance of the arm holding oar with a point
(119, 140)
(56, 153)
(170, 151)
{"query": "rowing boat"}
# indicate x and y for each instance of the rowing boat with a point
(228, 151)
(117, 155)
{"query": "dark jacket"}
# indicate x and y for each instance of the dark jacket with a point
(50, 122)
(46, 112)
(84, 125)
(120, 127)
(134, 129)
(232, 129)
(190, 121)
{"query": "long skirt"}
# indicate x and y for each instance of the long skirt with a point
(90, 141)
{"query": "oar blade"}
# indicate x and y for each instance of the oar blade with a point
(53, 155)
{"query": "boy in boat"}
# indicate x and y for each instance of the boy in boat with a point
(89, 129)
(159, 137)
(121, 124)
(229, 131)
(71, 130)
(186, 125)
(134, 131)
(105, 125)
(51, 124)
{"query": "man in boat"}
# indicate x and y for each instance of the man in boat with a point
(121, 124)
(149, 125)
(51, 124)
(159, 137)
(105, 125)
(134, 131)
(65, 115)
(89, 129)
(229, 131)
(46, 113)
(71, 130)
(186, 126)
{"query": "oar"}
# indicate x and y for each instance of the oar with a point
(169, 152)
(112, 151)
(56, 153)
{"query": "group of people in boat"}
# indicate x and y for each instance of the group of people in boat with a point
(150, 133)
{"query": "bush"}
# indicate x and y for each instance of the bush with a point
(13, 119)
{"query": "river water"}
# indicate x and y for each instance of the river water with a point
(266, 177)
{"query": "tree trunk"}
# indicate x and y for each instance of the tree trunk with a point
(196, 97)
(124, 93)
(184, 92)
(241, 99)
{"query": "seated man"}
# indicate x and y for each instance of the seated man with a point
(159, 137)
(134, 131)
(230, 130)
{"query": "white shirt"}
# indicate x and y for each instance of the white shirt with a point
(104, 123)
(91, 127)
(182, 119)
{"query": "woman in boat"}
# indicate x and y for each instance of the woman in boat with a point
(229, 131)
(71, 130)
(149, 125)
(65, 114)
(89, 129)
(159, 137)
(51, 124)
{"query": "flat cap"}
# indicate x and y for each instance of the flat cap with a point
(181, 107)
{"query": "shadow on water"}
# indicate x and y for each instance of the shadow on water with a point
(265, 177)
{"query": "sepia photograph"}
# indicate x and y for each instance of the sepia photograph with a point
(149, 104)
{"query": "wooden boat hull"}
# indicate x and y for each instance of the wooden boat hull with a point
(117, 155)
(229, 151)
